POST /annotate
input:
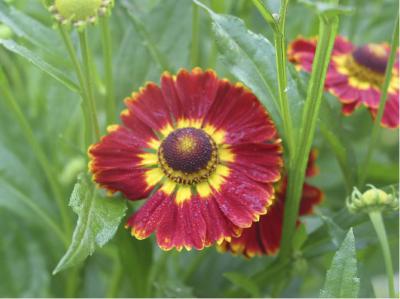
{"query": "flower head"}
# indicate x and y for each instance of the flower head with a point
(371, 200)
(264, 237)
(80, 13)
(204, 152)
(355, 75)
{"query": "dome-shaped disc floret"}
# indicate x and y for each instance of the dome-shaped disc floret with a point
(78, 12)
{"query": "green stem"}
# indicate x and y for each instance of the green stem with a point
(280, 58)
(379, 226)
(86, 57)
(327, 31)
(81, 78)
(384, 92)
(110, 94)
(194, 53)
(37, 150)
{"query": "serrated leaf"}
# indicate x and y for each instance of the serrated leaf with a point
(341, 278)
(40, 63)
(250, 57)
(244, 283)
(98, 221)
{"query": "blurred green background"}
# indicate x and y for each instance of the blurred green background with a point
(28, 249)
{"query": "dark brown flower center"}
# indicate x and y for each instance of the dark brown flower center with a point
(372, 56)
(188, 155)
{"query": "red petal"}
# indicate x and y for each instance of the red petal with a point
(114, 164)
(171, 97)
(149, 106)
(390, 117)
(196, 91)
(242, 200)
(147, 218)
(138, 130)
(259, 161)
(342, 46)
(349, 108)
(310, 197)
(182, 226)
(239, 113)
(218, 225)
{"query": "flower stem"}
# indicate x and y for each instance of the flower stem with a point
(384, 92)
(327, 31)
(37, 150)
(81, 78)
(280, 58)
(110, 95)
(194, 53)
(379, 226)
(86, 57)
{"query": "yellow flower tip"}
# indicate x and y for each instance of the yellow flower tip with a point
(166, 74)
(197, 70)
(80, 13)
(112, 128)
(124, 112)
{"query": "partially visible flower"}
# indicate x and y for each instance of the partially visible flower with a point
(202, 150)
(264, 237)
(371, 200)
(355, 75)
(78, 12)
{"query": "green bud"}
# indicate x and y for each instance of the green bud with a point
(80, 12)
(371, 200)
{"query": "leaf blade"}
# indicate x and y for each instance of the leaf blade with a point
(40, 63)
(341, 278)
(98, 221)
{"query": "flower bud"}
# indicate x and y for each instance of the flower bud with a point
(371, 200)
(80, 12)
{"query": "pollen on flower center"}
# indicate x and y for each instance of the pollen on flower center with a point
(188, 155)
(374, 57)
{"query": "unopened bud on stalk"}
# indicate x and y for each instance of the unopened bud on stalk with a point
(80, 12)
(371, 200)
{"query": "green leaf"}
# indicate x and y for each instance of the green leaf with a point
(341, 278)
(244, 283)
(40, 63)
(251, 58)
(98, 220)
(30, 29)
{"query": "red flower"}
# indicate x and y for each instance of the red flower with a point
(355, 75)
(204, 152)
(264, 237)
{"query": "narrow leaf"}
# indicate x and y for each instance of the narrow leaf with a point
(98, 220)
(40, 63)
(341, 279)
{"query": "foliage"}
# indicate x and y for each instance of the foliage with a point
(91, 253)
